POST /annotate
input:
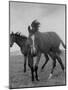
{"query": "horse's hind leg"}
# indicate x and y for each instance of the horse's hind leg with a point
(47, 59)
(25, 59)
(53, 56)
(54, 65)
(60, 61)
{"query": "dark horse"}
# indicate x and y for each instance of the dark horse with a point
(24, 43)
(20, 41)
(47, 43)
(25, 46)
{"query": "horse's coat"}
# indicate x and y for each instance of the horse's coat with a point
(47, 43)
(21, 41)
(25, 46)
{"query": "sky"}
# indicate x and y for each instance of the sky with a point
(50, 16)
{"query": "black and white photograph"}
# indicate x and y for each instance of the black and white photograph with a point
(37, 44)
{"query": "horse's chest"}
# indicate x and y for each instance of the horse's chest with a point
(24, 49)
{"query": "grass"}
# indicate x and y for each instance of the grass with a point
(19, 79)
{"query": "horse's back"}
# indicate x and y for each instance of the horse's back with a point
(42, 41)
(47, 40)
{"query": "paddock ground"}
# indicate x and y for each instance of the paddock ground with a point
(19, 79)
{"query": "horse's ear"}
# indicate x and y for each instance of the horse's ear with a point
(12, 33)
(20, 33)
(29, 28)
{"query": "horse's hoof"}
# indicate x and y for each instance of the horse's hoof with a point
(50, 76)
(32, 80)
(24, 71)
(37, 79)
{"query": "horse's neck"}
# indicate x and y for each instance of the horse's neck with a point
(37, 34)
(20, 42)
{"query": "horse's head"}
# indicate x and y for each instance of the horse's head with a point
(32, 29)
(12, 39)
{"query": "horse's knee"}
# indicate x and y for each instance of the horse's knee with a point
(36, 68)
(46, 56)
(54, 62)
(30, 66)
(60, 62)
(30, 61)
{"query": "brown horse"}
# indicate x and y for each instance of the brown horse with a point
(20, 41)
(47, 43)
(24, 43)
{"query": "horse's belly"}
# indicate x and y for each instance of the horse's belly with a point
(24, 51)
(44, 48)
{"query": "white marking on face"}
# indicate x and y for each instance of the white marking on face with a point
(50, 76)
(30, 27)
(33, 38)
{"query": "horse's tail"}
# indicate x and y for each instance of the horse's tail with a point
(63, 44)
(61, 41)
(59, 51)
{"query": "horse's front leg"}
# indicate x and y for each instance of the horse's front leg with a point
(30, 64)
(25, 60)
(36, 66)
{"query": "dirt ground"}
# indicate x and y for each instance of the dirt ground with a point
(19, 79)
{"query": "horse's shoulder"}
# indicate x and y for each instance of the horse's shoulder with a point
(28, 41)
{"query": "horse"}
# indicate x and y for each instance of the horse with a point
(20, 40)
(24, 43)
(47, 43)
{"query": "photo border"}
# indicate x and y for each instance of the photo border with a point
(65, 41)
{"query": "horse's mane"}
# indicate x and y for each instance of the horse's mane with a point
(20, 35)
(35, 24)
